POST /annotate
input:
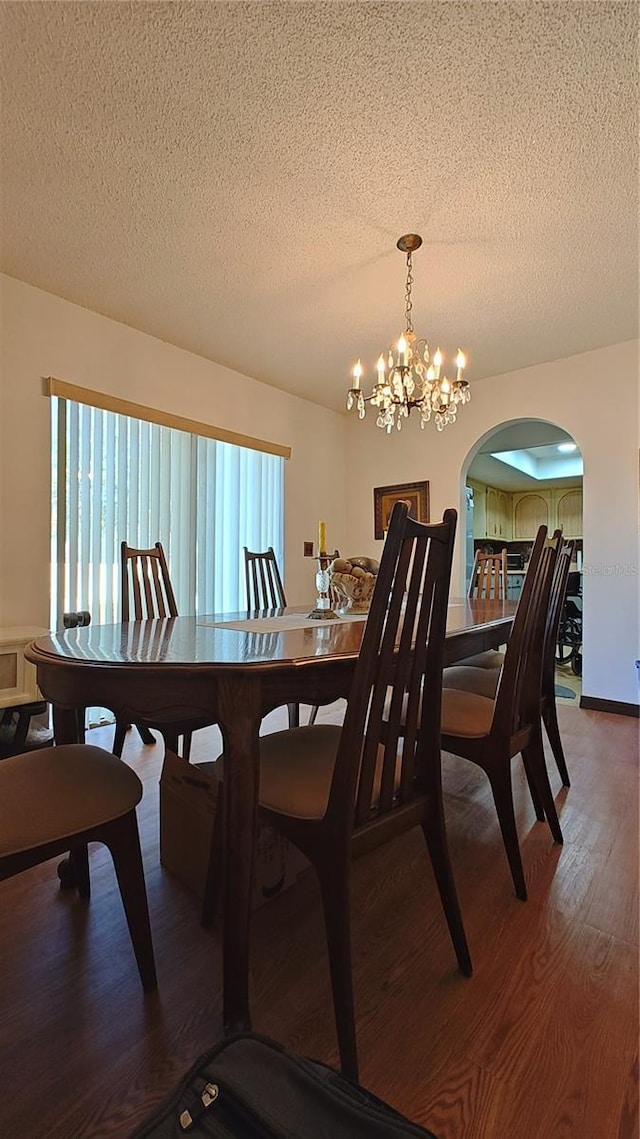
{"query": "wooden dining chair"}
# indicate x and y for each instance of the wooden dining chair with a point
(85, 795)
(548, 709)
(337, 792)
(264, 590)
(489, 576)
(146, 585)
(147, 593)
(481, 673)
(490, 722)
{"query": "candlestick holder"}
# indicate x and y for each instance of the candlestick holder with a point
(323, 610)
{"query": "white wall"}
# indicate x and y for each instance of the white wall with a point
(42, 335)
(594, 397)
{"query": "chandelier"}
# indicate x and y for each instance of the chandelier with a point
(409, 377)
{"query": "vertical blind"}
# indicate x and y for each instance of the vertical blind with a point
(117, 479)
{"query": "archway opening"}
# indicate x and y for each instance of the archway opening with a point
(517, 477)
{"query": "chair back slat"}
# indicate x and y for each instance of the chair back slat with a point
(146, 585)
(384, 678)
(143, 568)
(390, 743)
(537, 631)
(489, 576)
(263, 583)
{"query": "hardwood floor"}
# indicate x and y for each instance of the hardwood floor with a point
(541, 1043)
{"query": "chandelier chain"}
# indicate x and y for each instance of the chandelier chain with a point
(407, 296)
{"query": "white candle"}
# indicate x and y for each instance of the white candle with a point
(357, 372)
(437, 363)
(460, 363)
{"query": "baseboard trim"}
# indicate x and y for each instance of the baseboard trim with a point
(618, 707)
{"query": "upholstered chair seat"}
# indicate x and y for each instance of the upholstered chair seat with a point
(296, 770)
(56, 800)
(482, 681)
(493, 658)
(289, 786)
(466, 714)
(75, 787)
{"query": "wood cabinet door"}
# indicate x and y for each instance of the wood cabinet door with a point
(504, 514)
(529, 512)
(493, 512)
(569, 512)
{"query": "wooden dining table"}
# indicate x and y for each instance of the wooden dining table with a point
(231, 669)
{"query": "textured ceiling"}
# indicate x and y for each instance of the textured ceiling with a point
(233, 177)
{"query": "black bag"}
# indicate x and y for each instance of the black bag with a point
(249, 1087)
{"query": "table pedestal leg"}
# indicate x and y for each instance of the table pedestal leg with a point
(239, 715)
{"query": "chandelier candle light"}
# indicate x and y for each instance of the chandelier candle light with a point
(409, 377)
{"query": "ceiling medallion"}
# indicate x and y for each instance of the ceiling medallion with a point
(409, 377)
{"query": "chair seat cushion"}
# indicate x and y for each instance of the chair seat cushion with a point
(296, 768)
(465, 714)
(57, 792)
(482, 681)
(491, 659)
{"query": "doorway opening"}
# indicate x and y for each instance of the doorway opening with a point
(517, 477)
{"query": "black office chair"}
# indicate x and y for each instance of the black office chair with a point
(16, 735)
(569, 646)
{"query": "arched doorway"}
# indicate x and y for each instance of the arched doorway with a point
(516, 477)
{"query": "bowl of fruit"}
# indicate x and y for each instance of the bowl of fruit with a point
(352, 583)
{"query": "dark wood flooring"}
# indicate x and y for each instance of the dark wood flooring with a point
(541, 1043)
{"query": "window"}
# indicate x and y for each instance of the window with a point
(116, 477)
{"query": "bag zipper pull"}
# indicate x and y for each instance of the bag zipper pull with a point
(208, 1095)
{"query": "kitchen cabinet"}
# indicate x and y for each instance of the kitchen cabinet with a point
(568, 511)
(498, 514)
(491, 497)
(556, 508)
(515, 516)
(504, 514)
(530, 511)
(515, 582)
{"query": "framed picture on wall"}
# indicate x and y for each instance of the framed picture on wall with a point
(416, 494)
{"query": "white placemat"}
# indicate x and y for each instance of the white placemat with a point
(281, 624)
